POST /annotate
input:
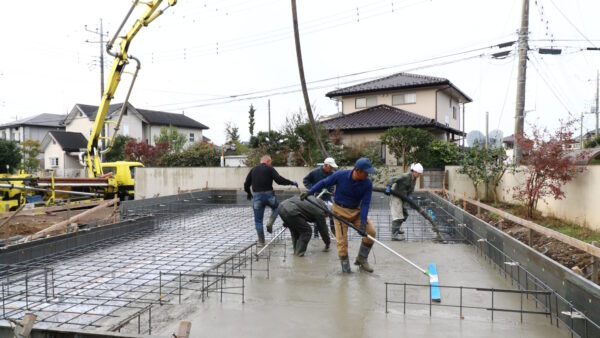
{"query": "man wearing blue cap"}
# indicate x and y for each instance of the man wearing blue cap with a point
(351, 202)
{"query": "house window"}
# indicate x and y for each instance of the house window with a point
(54, 161)
(407, 98)
(360, 102)
(365, 102)
(454, 113)
(191, 137)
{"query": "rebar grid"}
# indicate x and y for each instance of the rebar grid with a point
(114, 277)
(123, 277)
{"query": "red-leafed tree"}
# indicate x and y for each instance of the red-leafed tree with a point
(547, 163)
(143, 152)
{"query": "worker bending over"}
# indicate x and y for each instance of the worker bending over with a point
(296, 214)
(261, 178)
(404, 185)
(318, 174)
(351, 202)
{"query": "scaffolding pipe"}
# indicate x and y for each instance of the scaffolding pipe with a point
(26, 187)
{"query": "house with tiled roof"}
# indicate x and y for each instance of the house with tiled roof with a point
(140, 124)
(61, 152)
(400, 100)
(31, 128)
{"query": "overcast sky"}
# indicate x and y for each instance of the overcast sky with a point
(200, 57)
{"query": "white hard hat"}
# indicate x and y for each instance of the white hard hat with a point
(330, 161)
(417, 167)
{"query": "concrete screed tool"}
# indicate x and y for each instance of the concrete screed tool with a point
(431, 273)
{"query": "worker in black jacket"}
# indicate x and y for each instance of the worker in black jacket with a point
(296, 214)
(261, 178)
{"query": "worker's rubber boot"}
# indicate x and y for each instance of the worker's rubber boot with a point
(301, 248)
(396, 227)
(345, 264)
(316, 231)
(361, 259)
(326, 248)
(261, 239)
(294, 242)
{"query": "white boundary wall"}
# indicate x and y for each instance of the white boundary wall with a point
(581, 204)
(153, 182)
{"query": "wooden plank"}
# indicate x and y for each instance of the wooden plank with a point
(574, 242)
(61, 226)
(58, 208)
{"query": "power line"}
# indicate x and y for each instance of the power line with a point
(571, 23)
(236, 96)
(554, 93)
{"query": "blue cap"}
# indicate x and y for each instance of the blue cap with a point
(364, 164)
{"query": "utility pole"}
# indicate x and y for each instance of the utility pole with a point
(581, 132)
(100, 34)
(303, 81)
(520, 107)
(269, 110)
(463, 123)
(487, 140)
(597, 94)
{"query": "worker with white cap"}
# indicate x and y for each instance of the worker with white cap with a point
(317, 175)
(404, 185)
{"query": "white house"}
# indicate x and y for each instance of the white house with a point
(61, 153)
(140, 124)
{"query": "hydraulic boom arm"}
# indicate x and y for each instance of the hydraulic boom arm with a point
(120, 62)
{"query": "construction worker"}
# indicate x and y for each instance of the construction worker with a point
(296, 214)
(351, 202)
(315, 176)
(261, 178)
(404, 185)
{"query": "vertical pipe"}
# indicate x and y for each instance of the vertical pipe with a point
(404, 298)
(179, 287)
(492, 304)
(521, 296)
(27, 290)
(461, 297)
(160, 287)
(386, 297)
(150, 320)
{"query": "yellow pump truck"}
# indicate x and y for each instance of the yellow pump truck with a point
(104, 179)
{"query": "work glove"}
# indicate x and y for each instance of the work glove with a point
(295, 184)
(410, 197)
(303, 195)
(362, 230)
(388, 190)
(249, 196)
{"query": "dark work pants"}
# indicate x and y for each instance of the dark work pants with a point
(300, 228)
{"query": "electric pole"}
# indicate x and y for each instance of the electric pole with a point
(100, 34)
(597, 94)
(269, 110)
(303, 81)
(520, 107)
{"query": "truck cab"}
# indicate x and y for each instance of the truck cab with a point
(124, 174)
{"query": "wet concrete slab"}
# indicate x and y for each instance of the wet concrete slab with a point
(309, 296)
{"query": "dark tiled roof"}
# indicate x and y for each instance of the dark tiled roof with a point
(163, 118)
(153, 117)
(69, 141)
(41, 120)
(396, 81)
(382, 117)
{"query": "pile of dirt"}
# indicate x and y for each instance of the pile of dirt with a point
(27, 225)
(566, 255)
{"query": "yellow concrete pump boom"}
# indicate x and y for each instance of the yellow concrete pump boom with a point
(121, 60)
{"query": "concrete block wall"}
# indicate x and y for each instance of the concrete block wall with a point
(152, 182)
(580, 205)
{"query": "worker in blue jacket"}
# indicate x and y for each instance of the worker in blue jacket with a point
(351, 202)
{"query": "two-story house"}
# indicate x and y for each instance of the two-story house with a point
(31, 128)
(140, 124)
(61, 150)
(399, 100)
